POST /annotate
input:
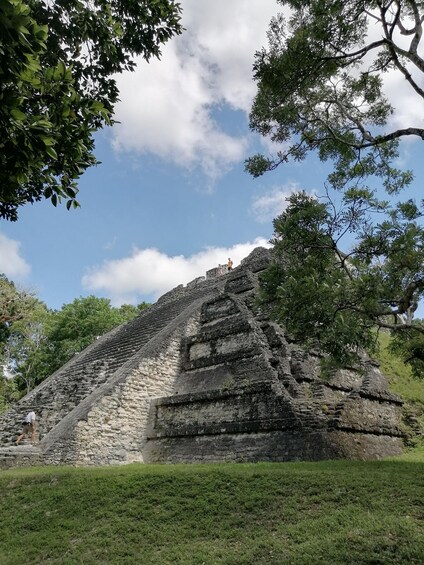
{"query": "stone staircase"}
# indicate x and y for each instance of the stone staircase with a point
(205, 374)
(58, 395)
(19, 456)
(247, 392)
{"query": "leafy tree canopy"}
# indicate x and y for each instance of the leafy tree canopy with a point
(25, 350)
(39, 341)
(9, 393)
(19, 311)
(79, 323)
(320, 88)
(320, 85)
(336, 300)
(15, 304)
(58, 59)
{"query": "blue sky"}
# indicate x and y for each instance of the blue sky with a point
(171, 198)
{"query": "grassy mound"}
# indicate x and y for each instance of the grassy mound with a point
(298, 513)
(335, 512)
(409, 388)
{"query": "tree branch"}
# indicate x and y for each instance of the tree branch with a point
(391, 136)
(355, 55)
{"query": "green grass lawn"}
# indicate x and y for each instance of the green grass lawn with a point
(340, 512)
(330, 512)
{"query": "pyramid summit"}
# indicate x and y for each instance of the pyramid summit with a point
(204, 375)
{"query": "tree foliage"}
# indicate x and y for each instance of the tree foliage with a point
(19, 309)
(320, 85)
(78, 324)
(336, 300)
(9, 393)
(15, 304)
(344, 270)
(25, 350)
(39, 341)
(59, 59)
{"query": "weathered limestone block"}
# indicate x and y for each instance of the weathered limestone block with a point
(22, 456)
(218, 308)
(252, 409)
(287, 445)
(236, 374)
(222, 342)
(258, 260)
(364, 414)
(196, 282)
(234, 343)
(303, 367)
(238, 283)
(345, 379)
(216, 272)
(199, 350)
(205, 375)
(115, 428)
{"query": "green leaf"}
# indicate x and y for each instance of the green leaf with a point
(51, 152)
(18, 115)
(97, 106)
(60, 71)
(48, 141)
(22, 29)
(22, 178)
(61, 98)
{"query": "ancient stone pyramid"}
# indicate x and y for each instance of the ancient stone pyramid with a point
(204, 375)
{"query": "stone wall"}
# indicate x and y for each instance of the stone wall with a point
(108, 427)
(115, 428)
(274, 446)
(247, 393)
(205, 375)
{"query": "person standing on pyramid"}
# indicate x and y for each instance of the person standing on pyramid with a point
(28, 427)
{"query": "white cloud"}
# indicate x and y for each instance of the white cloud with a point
(151, 273)
(12, 264)
(167, 105)
(273, 203)
(408, 105)
(271, 147)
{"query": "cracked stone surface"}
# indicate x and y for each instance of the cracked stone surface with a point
(204, 375)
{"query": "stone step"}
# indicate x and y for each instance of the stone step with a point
(19, 456)
(60, 394)
(26, 449)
